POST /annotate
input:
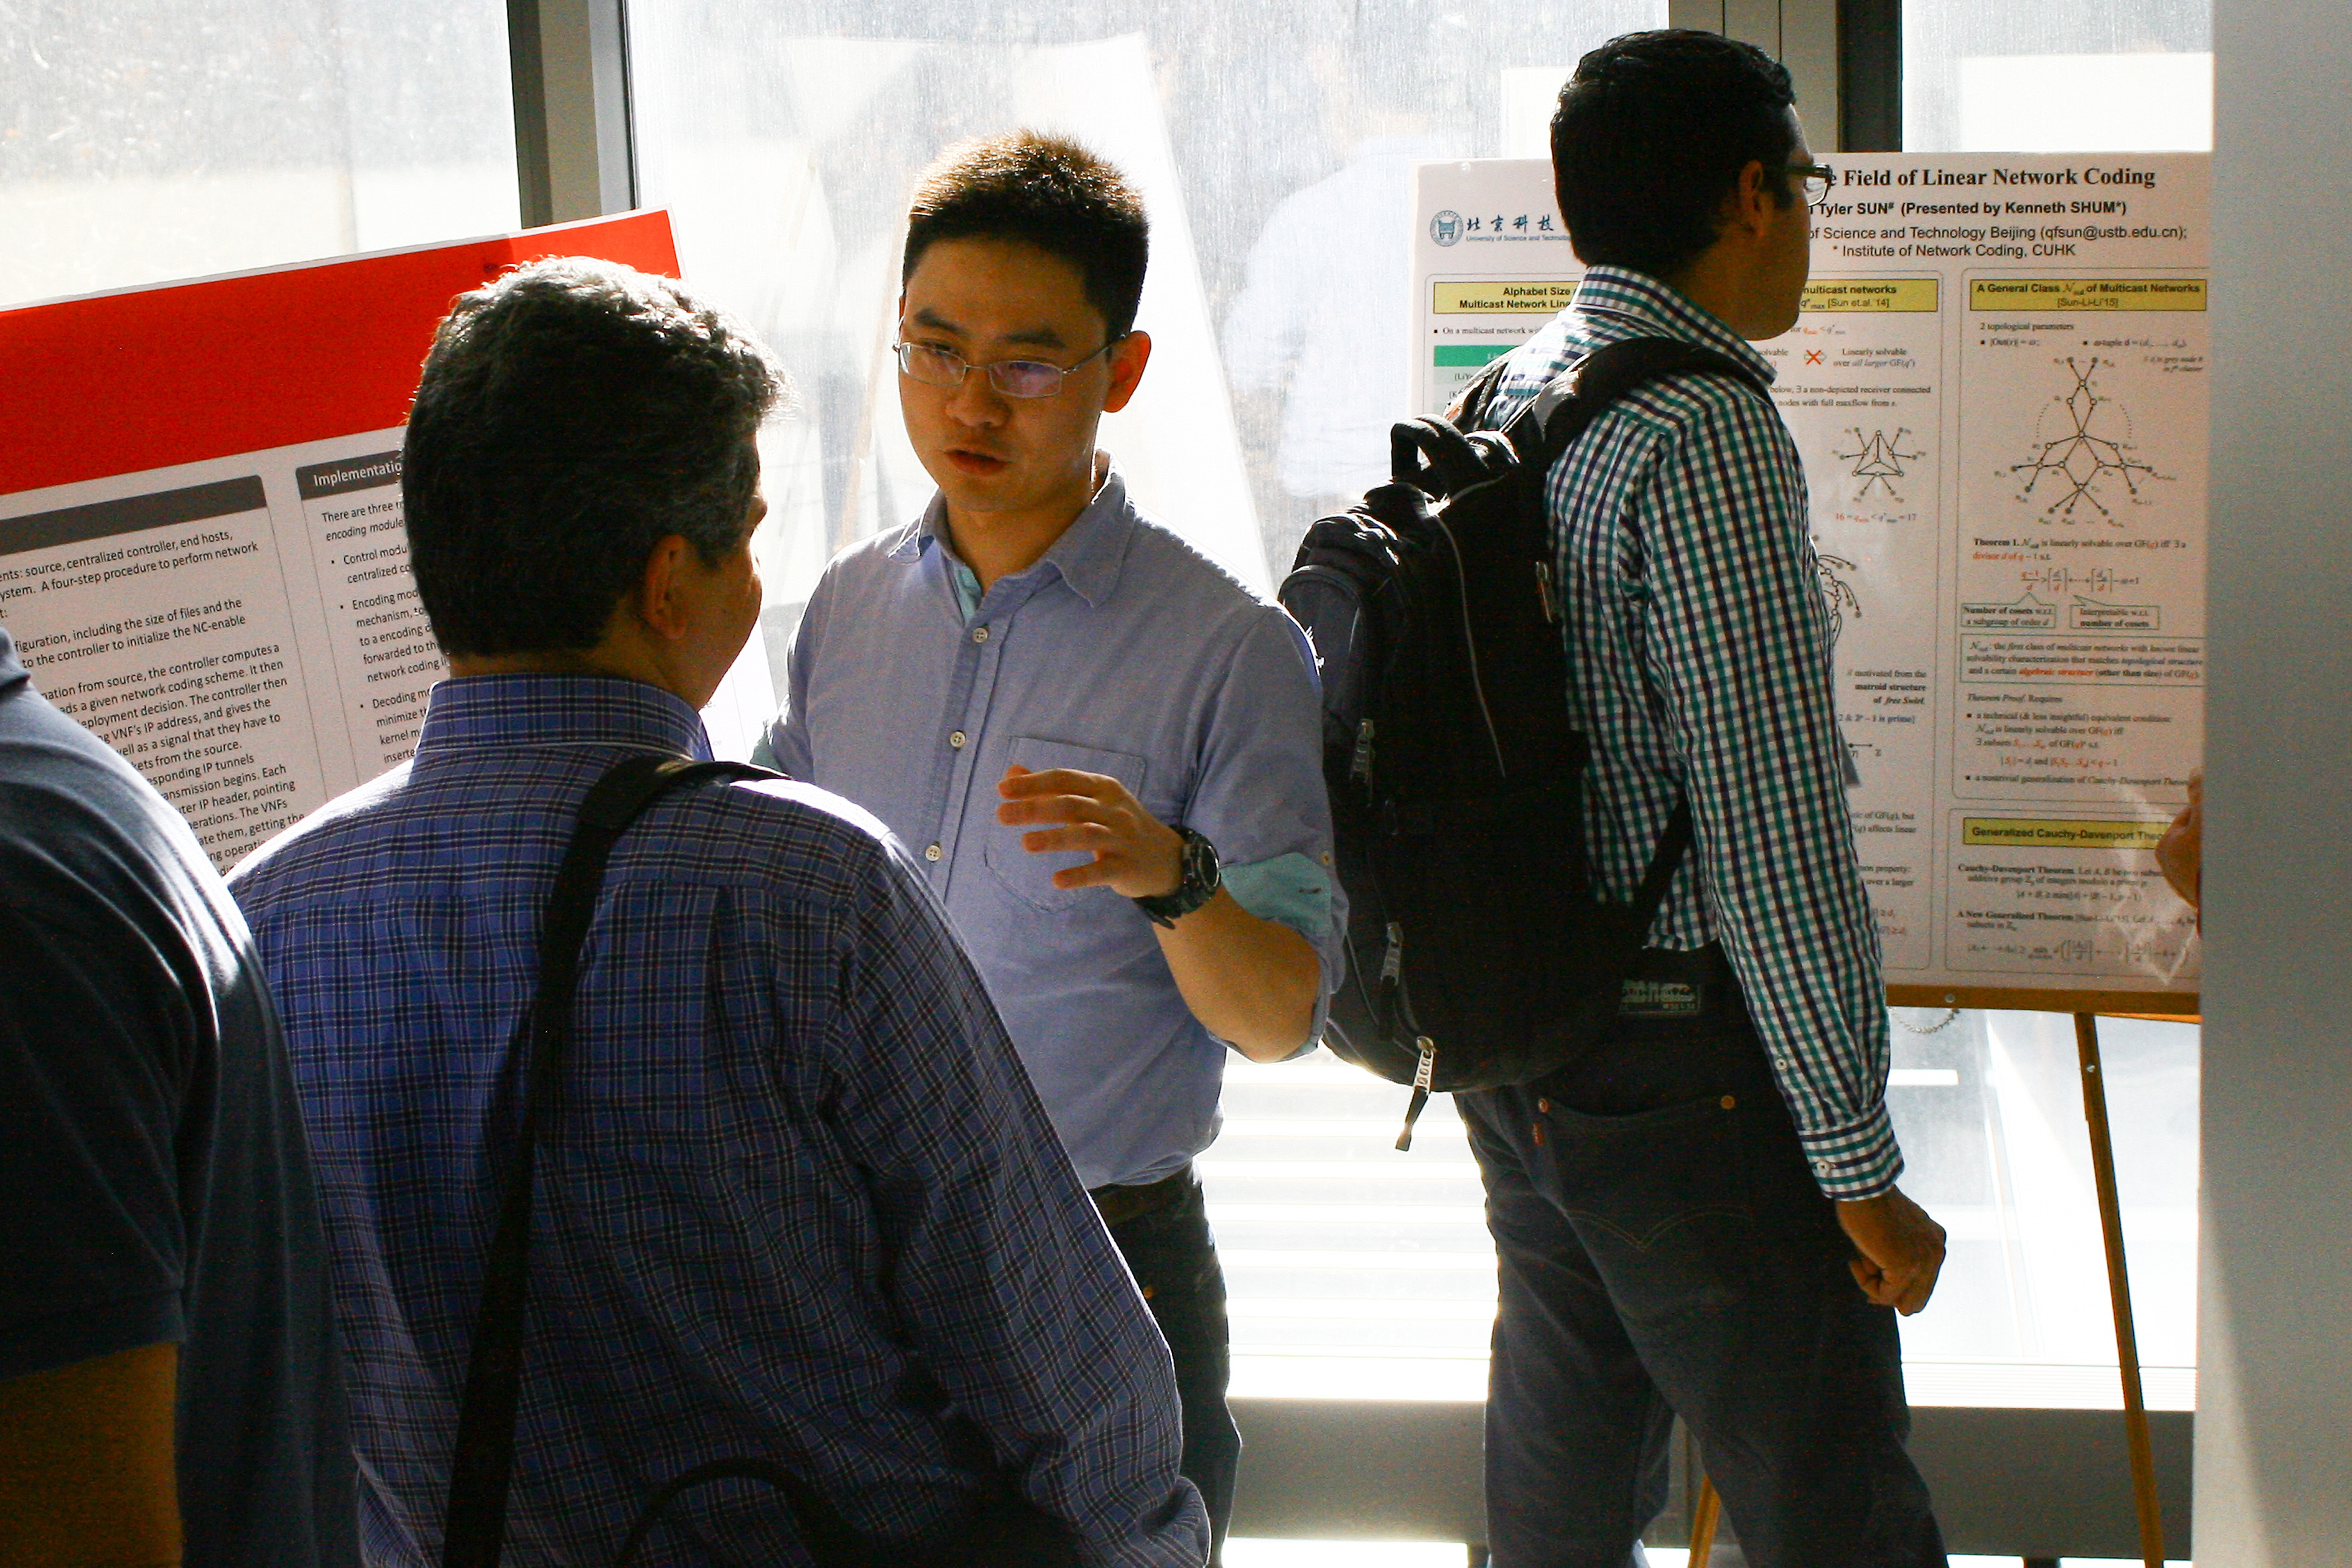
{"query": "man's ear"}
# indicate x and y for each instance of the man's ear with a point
(1752, 206)
(1127, 362)
(655, 598)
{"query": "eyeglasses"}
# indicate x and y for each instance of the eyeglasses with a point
(935, 366)
(1818, 181)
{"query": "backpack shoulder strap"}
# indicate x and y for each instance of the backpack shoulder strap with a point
(1468, 409)
(474, 1532)
(1542, 433)
(1549, 425)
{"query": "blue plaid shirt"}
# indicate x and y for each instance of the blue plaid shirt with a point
(1696, 641)
(801, 1201)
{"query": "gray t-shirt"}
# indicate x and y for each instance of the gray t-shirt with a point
(154, 1184)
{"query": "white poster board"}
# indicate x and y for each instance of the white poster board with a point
(1999, 384)
(243, 631)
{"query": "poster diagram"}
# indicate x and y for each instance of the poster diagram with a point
(1837, 592)
(218, 584)
(1878, 461)
(1996, 383)
(2087, 451)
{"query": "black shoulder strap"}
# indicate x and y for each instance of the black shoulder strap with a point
(1548, 425)
(1468, 409)
(475, 1530)
(1673, 844)
(1542, 433)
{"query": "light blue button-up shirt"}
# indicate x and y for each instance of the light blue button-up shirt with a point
(1122, 652)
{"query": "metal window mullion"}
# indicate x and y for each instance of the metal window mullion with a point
(575, 152)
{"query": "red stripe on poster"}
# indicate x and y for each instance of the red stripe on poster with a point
(180, 373)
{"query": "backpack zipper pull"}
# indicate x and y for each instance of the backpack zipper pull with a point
(1360, 765)
(1422, 1076)
(1545, 591)
(1392, 961)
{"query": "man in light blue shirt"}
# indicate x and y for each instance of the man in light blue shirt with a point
(1103, 750)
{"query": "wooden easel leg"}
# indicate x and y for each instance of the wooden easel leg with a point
(1704, 1510)
(2111, 1223)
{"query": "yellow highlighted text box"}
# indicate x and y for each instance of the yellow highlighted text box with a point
(1503, 297)
(1873, 294)
(2048, 833)
(2087, 293)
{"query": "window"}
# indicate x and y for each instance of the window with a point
(1272, 145)
(144, 140)
(1988, 1107)
(2019, 75)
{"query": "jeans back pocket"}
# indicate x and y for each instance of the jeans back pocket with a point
(1661, 1200)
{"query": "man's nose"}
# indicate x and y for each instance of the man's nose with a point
(976, 402)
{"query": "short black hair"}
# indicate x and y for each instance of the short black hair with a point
(573, 415)
(1652, 133)
(1045, 191)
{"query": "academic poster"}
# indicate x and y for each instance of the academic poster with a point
(1998, 385)
(202, 556)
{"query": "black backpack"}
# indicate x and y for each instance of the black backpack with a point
(1477, 954)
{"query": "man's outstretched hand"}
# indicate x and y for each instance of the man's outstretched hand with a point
(1901, 1249)
(1134, 852)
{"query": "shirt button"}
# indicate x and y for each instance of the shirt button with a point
(956, 739)
(930, 851)
(980, 634)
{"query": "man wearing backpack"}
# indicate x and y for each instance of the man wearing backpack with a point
(1700, 1216)
(1104, 750)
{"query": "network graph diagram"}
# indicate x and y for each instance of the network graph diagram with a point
(1837, 592)
(2087, 452)
(1878, 461)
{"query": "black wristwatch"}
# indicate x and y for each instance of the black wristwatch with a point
(1198, 861)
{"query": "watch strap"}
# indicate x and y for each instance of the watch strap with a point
(1197, 884)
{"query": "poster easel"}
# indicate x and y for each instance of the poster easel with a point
(2085, 1007)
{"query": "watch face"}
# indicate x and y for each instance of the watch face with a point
(1199, 862)
(1196, 883)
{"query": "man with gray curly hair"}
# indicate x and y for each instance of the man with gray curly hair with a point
(797, 1205)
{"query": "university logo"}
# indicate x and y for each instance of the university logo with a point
(1446, 227)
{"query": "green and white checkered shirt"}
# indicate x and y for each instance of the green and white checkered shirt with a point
(1696, 641)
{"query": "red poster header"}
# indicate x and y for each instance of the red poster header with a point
(180, 373)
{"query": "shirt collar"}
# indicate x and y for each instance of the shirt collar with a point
(1088, 556)
(499, 710)
(1644, 301)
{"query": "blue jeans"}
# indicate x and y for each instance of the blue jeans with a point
(1174, 1260)
(1663, 1250)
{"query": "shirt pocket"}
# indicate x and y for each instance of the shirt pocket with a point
(1028, 877)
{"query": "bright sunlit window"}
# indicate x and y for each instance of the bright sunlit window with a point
(2087, 76)
(1275, 148)
(1274, 151)
(145, 139)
